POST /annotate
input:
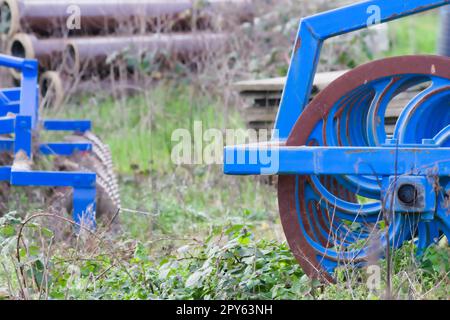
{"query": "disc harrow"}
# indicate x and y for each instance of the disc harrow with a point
(82, 162)
(348, 189)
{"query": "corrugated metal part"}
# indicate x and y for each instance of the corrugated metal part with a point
(99, 16)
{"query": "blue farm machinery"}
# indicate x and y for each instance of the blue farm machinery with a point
(347, 190)
(83, 168)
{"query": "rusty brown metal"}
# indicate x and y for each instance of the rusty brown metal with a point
(46, 17)
(49, 52)
(315, 112)
(90, 54)
(56, 87)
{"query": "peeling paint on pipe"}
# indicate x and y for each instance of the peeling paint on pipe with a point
(91, 53)
(48, 16)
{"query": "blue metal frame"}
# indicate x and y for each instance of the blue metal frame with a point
(313, 31)
(19, 117)
(374, 161)
(345, 156)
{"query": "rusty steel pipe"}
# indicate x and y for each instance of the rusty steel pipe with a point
(52, 88)
(56, 87)
(49, 52)
(91, 53)
(46, 17)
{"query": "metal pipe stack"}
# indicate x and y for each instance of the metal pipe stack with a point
(77, 39)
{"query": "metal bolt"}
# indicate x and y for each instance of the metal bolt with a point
(408, 194)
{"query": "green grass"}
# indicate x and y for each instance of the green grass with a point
(138, 129)
(172, 200)
(414, 35)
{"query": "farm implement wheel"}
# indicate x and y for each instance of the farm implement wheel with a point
(345, 220)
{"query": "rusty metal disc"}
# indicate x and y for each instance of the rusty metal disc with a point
(307, 212)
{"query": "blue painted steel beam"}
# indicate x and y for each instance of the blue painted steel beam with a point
(6, 145)
(64, 148)
(11, 62)
(83, 184)
(10, 108)
(444, 38)
(29, 96)
(7, 125)
(382, 161)
(314, 30)
(23, 135)
(5, 173)
(53, 179)
(67, 125)
(13, 94)
(3, 99)
(84, 207)
(9, 101)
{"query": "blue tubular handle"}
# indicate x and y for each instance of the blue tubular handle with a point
(11, 62)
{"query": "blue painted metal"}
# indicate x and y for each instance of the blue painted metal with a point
(23, 132)
(64, 148)
(19, 116)
(314, 30)
(350, 154)
(67, 125)
(7, 125)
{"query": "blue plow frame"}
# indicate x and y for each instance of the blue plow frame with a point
(19, 118)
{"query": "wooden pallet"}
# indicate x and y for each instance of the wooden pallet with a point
(262, 98)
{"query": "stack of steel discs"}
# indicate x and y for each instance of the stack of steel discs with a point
(261, 99)
(77, 41)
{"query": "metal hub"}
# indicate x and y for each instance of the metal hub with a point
(408, 195)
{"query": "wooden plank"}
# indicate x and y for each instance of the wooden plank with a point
(277, 84)
(260, 114)
(263, 97)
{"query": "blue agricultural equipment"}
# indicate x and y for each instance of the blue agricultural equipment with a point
(347, 190)
(19, 128)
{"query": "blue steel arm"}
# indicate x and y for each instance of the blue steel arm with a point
(6, 145)
(380, 161)
(313, 31)
(67, 125)
(28, 90)
(83, 184)
(5, 173)
(7, 125)
(9, 101)
(64, 148)
(12, 94)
